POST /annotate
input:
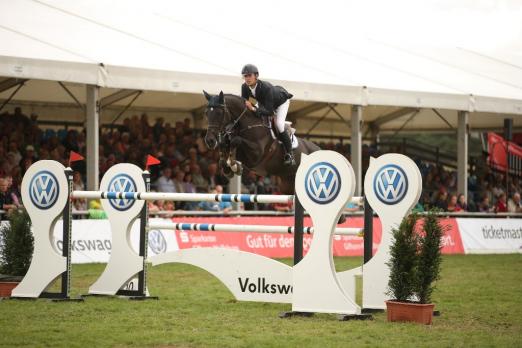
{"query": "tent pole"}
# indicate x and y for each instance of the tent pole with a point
(356, 147)
(462, 154)
(93, 132)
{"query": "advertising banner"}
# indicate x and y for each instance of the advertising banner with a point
(491, 236)
(451, 241)
(91, 240)
(268, 244)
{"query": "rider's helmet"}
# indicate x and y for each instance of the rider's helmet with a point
(250, 69)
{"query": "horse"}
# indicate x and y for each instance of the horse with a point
(245, 140)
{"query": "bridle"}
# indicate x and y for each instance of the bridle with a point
(227, 128)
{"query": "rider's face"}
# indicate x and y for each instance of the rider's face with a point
(250, 79)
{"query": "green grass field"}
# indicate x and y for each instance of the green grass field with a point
(479, 296)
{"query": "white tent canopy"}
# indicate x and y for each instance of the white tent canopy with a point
(392, 56)
(163, 46)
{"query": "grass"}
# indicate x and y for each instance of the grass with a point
(479, 297)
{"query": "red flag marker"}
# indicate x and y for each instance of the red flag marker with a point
(74, 157)
(151, 161)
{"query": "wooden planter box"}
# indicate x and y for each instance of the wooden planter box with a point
(409, 311)
(6, 288)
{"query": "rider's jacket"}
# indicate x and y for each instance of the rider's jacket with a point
(268, 96)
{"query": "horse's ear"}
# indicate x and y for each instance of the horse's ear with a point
(221, 98)
(206, 95)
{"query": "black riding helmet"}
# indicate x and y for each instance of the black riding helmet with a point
(249, 69)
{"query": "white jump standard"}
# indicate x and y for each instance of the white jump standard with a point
(324, 185)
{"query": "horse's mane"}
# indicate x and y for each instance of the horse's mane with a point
(237, 99)
(234, 96)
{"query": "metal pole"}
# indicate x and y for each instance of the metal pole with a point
(368, 231)
(66, 238)
(144, 218)
(462, 154)
(508, 136)
(298, 235)
(11, 96)
(356, 147)
(92, 125)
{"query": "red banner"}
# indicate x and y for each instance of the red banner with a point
(498, 151)
(281, 245)
(451, 241)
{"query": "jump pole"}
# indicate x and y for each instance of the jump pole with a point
(190, 197)
(183, 226)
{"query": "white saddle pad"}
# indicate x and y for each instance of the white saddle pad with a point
(295, 142)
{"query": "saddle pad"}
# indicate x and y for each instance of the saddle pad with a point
(288, 128)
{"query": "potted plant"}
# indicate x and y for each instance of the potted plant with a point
(414, 266)
(16, 250)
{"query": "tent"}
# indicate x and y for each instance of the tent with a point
(417, 69)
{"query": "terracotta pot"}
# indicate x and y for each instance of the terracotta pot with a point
(410, 311)
(6, 288)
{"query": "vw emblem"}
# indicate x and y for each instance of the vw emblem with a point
(322, 183)
(157, 242)
(44, 190)
(390, 184)
(122, 183)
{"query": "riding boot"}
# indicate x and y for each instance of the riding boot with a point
(287, 145)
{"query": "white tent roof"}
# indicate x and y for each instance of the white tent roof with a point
(446, 55)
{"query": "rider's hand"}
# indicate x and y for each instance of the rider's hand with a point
(250, 106)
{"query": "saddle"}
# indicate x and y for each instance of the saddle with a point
(288, 128)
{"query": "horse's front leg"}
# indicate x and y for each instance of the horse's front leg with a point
(223, 165)
(233, 163)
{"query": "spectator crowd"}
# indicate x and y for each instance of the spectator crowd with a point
(187, 165)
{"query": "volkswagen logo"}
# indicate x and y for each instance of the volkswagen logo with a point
(390, 184)
(322, 183)
(44, 190)
(157, 242)
(122, 183)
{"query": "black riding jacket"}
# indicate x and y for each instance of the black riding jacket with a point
(268, 96)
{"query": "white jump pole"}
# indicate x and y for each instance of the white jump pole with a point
(190, 197)
(245, 228)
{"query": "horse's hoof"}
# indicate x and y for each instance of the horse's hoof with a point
(237, 168)
(227, 171)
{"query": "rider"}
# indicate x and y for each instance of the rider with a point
(266, 100)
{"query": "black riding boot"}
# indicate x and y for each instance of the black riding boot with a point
(287, 145)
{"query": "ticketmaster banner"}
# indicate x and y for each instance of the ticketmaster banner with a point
(491, 236)
(91, 240)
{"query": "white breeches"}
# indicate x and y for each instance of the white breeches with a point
(280, 113)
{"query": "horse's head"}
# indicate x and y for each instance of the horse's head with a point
(216, 117)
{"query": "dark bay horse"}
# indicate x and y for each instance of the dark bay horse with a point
(245, 139)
